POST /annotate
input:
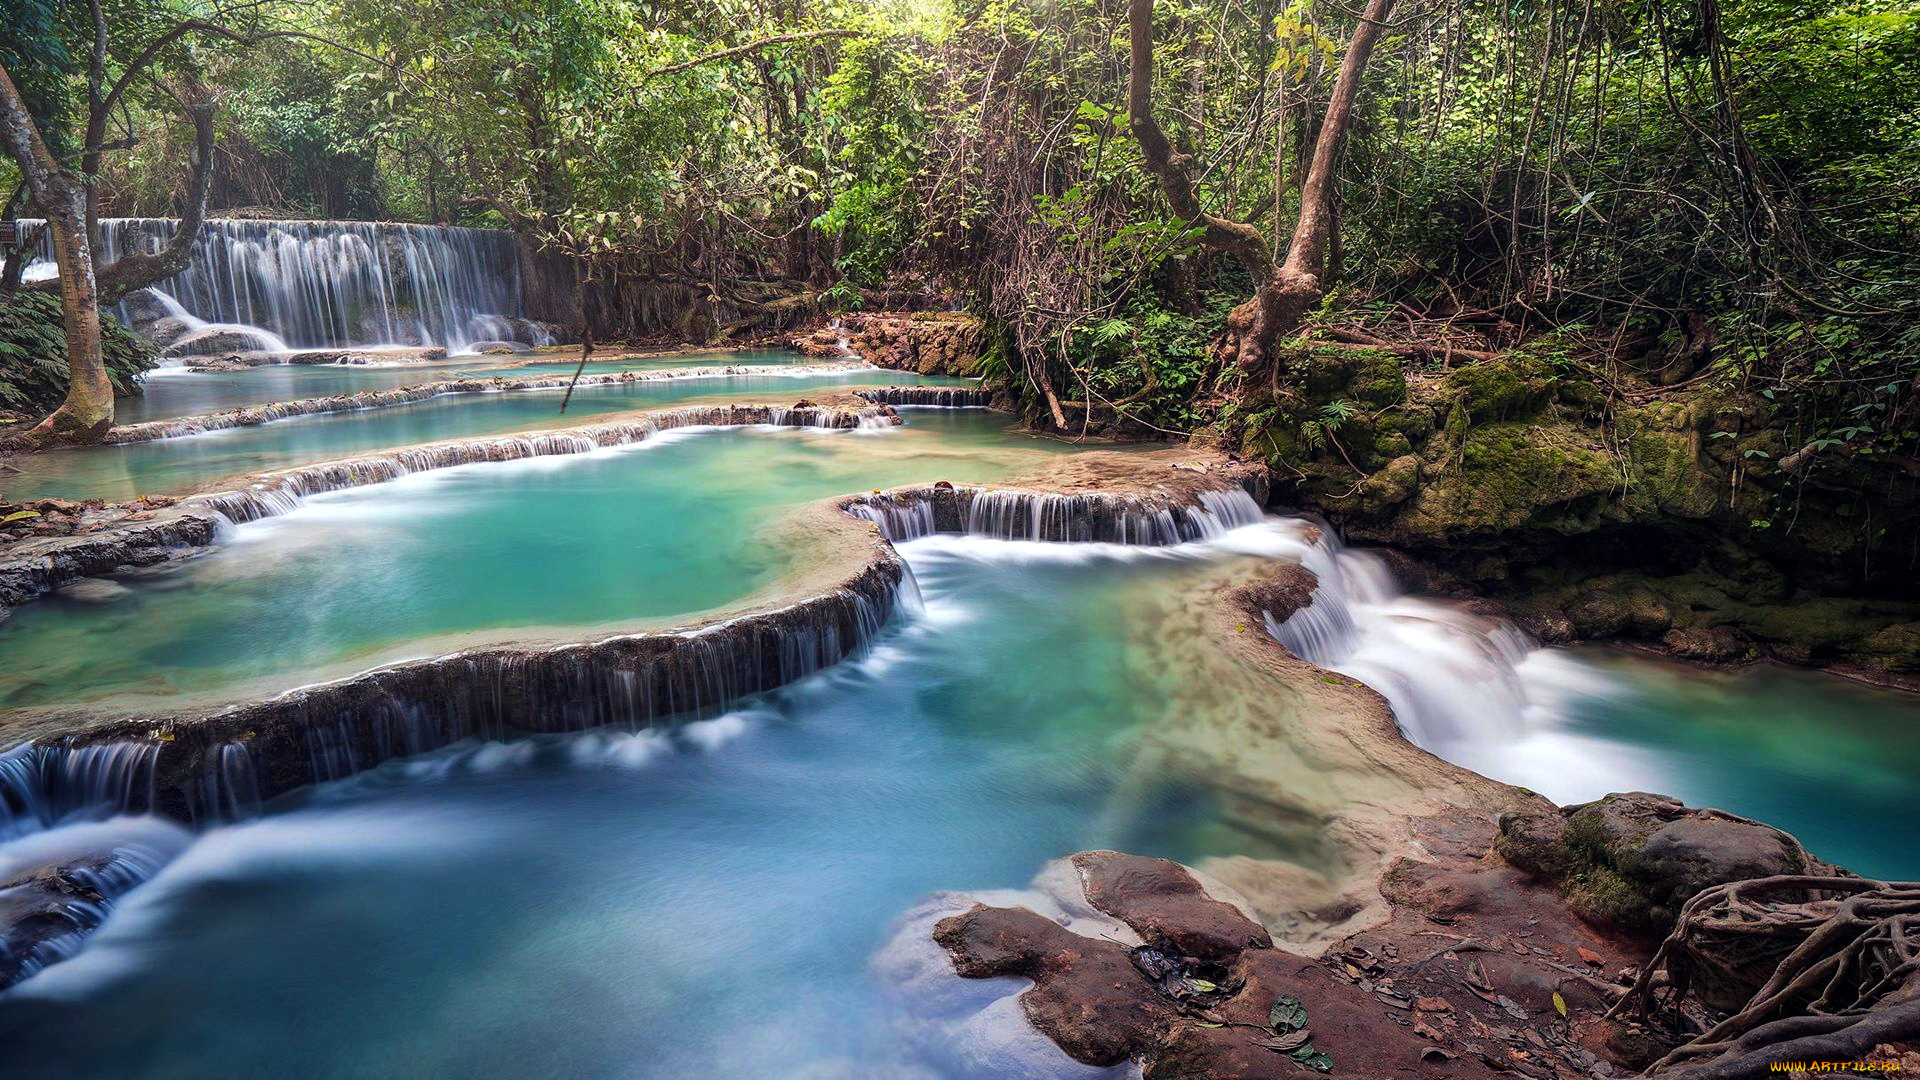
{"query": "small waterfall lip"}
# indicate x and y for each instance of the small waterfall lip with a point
(930, 397)
(1141, 518)
(274, 412)
(42, 786)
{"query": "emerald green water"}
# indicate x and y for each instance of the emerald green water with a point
(671, 526)
(704, 902)
(710, 900)
(189, 463)
(168, 394)
(1831, 761)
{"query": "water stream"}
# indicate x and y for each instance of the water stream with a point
(280, 285)
(168, 466)
(704, 901)
(1809, 753)
(167, 393)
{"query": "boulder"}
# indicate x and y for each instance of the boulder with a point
(167, 331)
(142, 308)
(1630, 860)
(216, 341)
(499, 348)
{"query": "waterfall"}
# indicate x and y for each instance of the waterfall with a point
(1148, 520)
(286, 285)
(940, 397)
(43, 786)
(1452, 676)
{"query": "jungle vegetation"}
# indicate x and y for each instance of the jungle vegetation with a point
(1662, 190)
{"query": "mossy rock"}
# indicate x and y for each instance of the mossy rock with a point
(1510, 388)
(1630, 860)
(1514, 476)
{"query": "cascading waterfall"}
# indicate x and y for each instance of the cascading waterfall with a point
(289, 285)
(1155, 521)
(934, 397)
(43, 786)
(1456, 680)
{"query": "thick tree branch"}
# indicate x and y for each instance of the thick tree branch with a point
(751, 46)
(1307, 254)
(1172, 168)
(137, 271)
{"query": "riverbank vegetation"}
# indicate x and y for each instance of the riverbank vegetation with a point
(1525, 273)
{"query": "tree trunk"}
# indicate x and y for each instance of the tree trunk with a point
(88, 411)
(1286, 293)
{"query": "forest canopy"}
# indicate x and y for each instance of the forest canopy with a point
(1667, 187)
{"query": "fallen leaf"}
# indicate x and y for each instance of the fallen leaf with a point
(1590, 956)
(1432, 1004)
(1287, 1015)
(1287, 1044)
(1559, 1004)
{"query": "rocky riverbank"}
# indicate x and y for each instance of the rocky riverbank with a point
(929, 342)
(1461, 928)
(1679, 518)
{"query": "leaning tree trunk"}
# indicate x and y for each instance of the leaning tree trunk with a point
(87, 412)
(1287, 292)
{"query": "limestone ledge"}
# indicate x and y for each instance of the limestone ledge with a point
(255, 415)
(139, 534)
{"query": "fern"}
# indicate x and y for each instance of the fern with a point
(33, 353)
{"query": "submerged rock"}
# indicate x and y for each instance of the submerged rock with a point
(95, 591)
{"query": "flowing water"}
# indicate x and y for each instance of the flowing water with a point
(670, 526)
(1811, 754)
(167, 393)
(170, 466)
(703, 901)
(322, 284)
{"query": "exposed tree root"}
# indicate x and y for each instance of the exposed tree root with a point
(1845, 963)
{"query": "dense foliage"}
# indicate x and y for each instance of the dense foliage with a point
(33, 344)
(1676, 190)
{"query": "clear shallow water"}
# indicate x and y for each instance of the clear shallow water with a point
(1833, 762)
(1825, 759)
(188, 463)
(613, 905)
(705, 902)
(673, 525)
(167, 394)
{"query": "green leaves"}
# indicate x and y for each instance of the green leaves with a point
(1287, 1015)
(1292, 1037)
